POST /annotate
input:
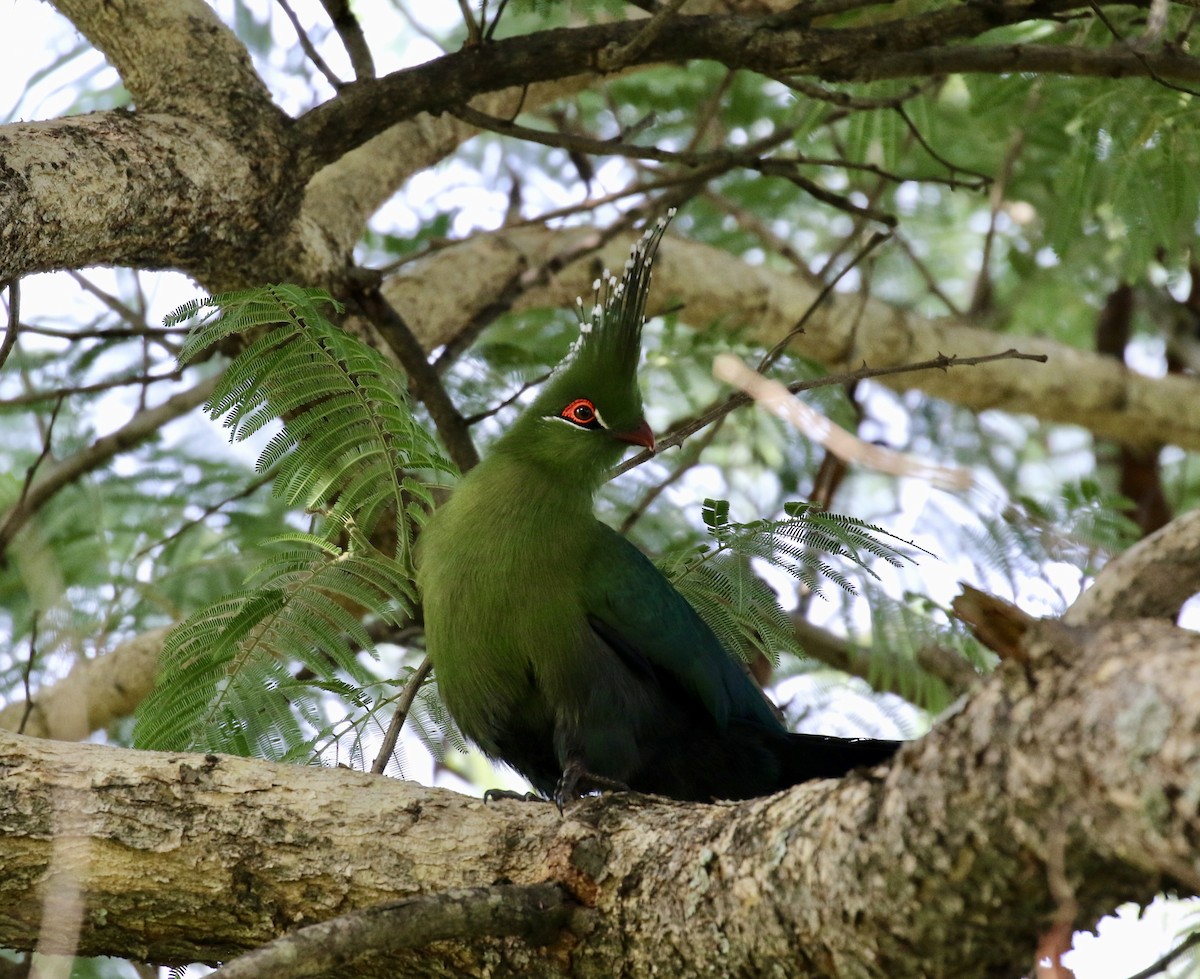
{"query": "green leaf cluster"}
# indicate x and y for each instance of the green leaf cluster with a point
(248, 673)
(719, 579)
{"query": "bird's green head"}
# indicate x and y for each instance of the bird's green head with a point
(590, 410)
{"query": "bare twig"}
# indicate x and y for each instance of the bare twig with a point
(122, 309)
(522, 281)
(491, 30)
(615, 57)
(746, 156)
(140, 427)
(983, 178)
(420, 28)
(27, 673)
(14, 319)
(761, 230)
(750, 158)
(248, 490)
(496, 409)
(635, 189)
(930, 280)
(403, 706)
(776, 351)
(1138, 53)
(353, 40)
(308, 48)
(37, 397)
(684, 430)
(841, 443)
(1161, 964)
(426, 385)
(536, 913)
(474, 31)
(694, 449)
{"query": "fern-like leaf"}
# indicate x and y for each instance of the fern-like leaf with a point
(719, 580)
(247, 673)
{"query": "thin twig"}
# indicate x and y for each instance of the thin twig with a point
(746, 156)
(248, 490)
(1137, 53)
(615, 57)
(983, 178)
(307, 46)
(122, 309)
(845, 445)
(14, 319)
(426, 385)
(635, 189)
(495, 20)
(688, 428)
(28, 672)
(140, 427)
(931, 282)
(756, 226)
(420, 28)
(776, 351)
(107, 333)
(474, 31)
(523, 280)
(694, 449)
(496, 409)
(353, 40)
(1161, 965)
(37, 397)
(403, 706)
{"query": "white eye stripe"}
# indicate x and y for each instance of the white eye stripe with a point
(579, 426)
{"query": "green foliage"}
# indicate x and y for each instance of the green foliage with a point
(719, 580)
(248, 673)
(1082, 527)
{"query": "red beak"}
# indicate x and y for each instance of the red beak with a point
(638, 436)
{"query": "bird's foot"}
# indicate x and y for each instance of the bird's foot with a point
(577, 780)
(492, 795)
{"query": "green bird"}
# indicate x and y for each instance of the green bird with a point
(558, 647)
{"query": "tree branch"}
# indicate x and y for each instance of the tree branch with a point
(426, 385)
(364, 109)
(93, 694)
(1151, 580)
(141, 426)
(534, 913)
(184, 857)
(1050, 59)
(445, 290)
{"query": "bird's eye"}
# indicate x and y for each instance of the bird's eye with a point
(581, 412)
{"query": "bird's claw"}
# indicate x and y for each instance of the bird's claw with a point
(577, 780)
(494, 795)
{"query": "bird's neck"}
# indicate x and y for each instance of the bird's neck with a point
(519, 490)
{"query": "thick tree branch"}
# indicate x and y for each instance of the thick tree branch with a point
(174, 56)
(148, 191)
(93, 694)
(182, 857)
(1052, 59)
(364, 109)
(440, 293)
(1151, 580)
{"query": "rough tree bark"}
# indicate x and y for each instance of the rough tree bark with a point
(1060, 789)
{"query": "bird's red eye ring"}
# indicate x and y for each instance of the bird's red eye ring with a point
(580, 412)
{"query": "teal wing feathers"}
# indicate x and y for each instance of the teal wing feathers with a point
(634, 608)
